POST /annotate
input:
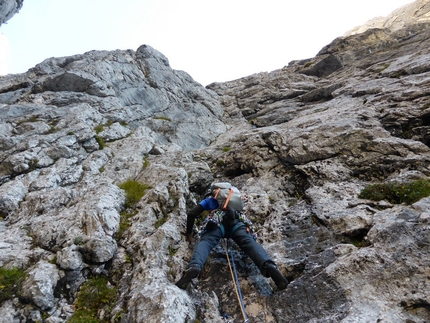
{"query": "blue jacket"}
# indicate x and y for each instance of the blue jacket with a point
(209, 204)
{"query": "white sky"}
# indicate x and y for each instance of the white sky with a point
(212, 40)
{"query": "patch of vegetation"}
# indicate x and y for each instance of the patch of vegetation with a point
(31, 118)
(134, 191)
(308, 64)
(124, 222)
(162, 118)
(360, 243)
(100, 141)
(226, 148)
(383, 67)
(160, 222)
(54, 260)
(52, 129)
(145, 162)
(172, 251)
(99, 128)
(220, 163)
(79, 240)
(397, 193)
(32, 164)
(94, 294)
(10, 282)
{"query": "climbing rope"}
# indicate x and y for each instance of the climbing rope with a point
(235, 282)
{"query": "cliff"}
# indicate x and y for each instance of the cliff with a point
(8, 8)
(102, 155)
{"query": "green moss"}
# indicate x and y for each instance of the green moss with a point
(397, 193)
(93, 296)
(10, 282)
(134, 191)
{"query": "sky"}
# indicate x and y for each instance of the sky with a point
(212, 40)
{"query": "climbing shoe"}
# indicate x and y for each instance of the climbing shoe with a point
(188, 274)
(274, 273)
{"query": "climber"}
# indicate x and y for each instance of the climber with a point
(230, 227)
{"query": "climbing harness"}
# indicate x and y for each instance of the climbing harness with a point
(215, 219)
(233, 272)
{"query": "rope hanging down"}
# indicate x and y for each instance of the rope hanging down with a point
(236, 282)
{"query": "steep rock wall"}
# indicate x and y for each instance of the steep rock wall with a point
(300, 142)
(8, 8)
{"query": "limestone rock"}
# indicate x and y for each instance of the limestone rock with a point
(8, 8)
(300, 143)
(40, 284)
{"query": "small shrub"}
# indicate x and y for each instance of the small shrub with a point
(134, 191)
(397, 193)
(93, 296)
(10, 282)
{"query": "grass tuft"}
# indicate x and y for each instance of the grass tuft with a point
(94, 294)
(134, 191)
(10, 282)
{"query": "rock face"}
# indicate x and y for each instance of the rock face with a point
(300, 142)
(406, 15)
(8, 8)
